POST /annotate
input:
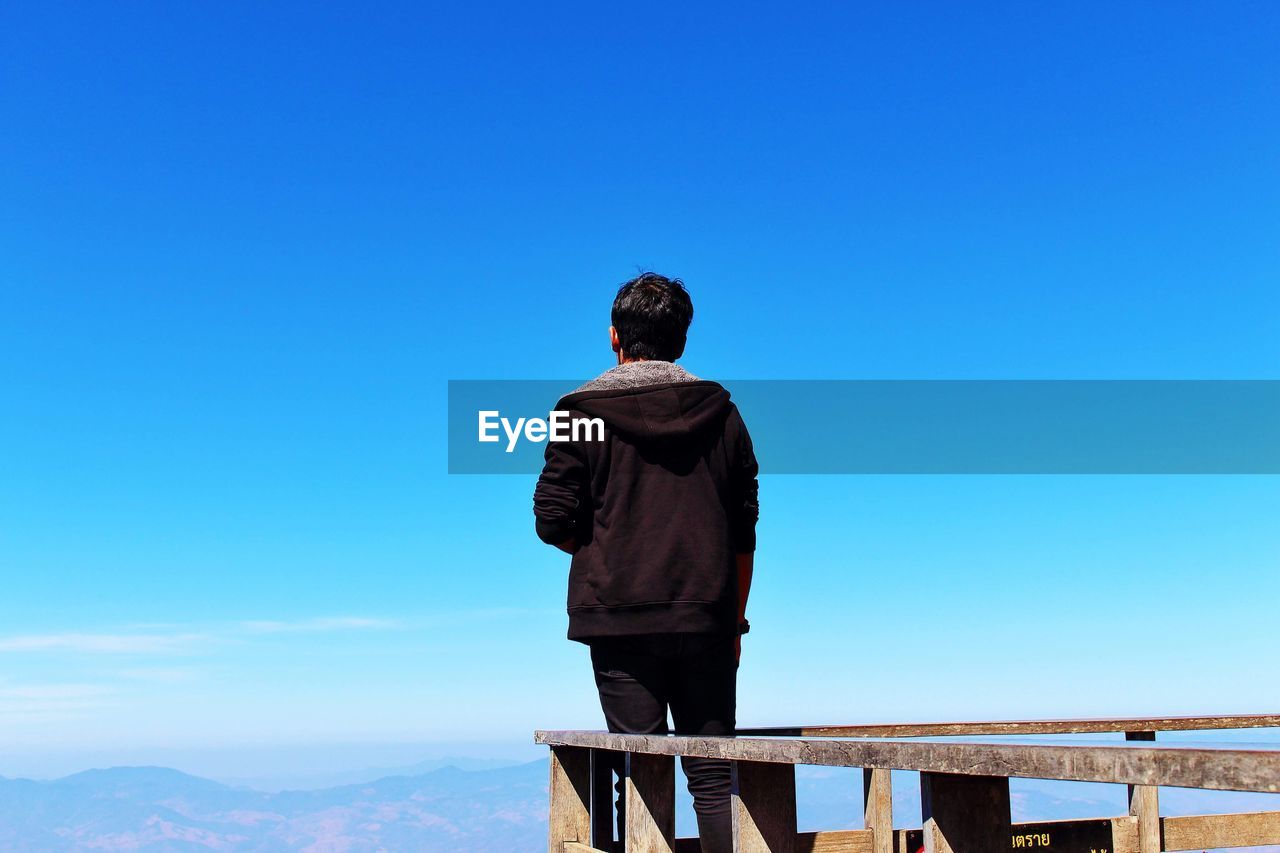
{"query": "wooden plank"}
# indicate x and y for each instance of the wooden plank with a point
(1144, 807)
(1023, 727)
(650, 803)
(1104, 835)
(838, 841)
(1144, 804)
(764, 807)
(877, 809)
(1205, 832)
(830, 841)
(569, 792)
(1227, 769)
(964, 813)
(579, 847)
(1138, 736)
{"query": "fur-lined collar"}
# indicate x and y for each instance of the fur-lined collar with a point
(637, 374)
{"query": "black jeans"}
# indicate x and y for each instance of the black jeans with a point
(695, 675)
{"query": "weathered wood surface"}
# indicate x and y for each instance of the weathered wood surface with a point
(1205, 832)
(1023, 727)
(839, 841)
(965, 814)
(831, 841)
(569, 792)
(650, 803)
(1117, 835)
(579, 847)
(1124, 835)
(764, 807)
(1144, 803)
(877, 809)
(1180, 766)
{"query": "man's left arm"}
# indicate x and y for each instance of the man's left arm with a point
(746, 568)
(560, 495)
(744, 513)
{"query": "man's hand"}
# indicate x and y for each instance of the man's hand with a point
(569, 546)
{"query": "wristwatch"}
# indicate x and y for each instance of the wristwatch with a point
(743, 627)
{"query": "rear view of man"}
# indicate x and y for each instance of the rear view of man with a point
(660, 518)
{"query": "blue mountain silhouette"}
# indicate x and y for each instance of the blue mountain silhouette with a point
(498, 810)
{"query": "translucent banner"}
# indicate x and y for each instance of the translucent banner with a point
(928, 426)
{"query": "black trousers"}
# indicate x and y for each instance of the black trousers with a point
(693, 675)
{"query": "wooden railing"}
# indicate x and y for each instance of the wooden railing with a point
(964, 786)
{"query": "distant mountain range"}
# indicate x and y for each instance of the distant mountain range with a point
(485, 810)
(158, 809)
(310, 781)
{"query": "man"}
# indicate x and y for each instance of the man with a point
(660, 518)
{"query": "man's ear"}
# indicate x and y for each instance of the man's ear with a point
(613, 339)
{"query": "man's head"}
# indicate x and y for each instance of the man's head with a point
(651, 317)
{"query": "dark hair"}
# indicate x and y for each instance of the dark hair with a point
(651, 314)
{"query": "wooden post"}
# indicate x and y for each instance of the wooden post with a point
(570, 795)
(650, 803)
(965, 814)
(1124, 834)
(764, 807)
(1144, 805)
(877, 808)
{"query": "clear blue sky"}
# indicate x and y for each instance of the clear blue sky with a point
(244, 247)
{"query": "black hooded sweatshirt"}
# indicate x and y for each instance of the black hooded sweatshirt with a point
(658, 508)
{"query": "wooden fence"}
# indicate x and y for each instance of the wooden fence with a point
(964, 786)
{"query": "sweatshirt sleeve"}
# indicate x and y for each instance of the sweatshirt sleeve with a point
(561, 493)
(745, 508)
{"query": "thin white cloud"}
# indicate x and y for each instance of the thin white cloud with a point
(155, 642)
(160, 674)
(41, 701)
(321, 624)
(120, 644)
(52, 691)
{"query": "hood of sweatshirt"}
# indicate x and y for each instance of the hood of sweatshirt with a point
(651, 402)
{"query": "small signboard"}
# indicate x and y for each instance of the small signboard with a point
(1058, 836)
